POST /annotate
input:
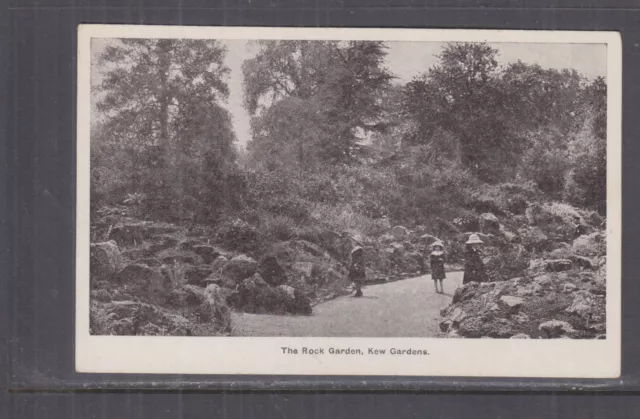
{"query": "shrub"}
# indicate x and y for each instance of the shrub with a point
(504, 197)
(239, 235)
(344, 218)
(585, 184)
(510, 263)
(277, 227)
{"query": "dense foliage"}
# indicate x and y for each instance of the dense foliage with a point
(337, 143)
(164, 135)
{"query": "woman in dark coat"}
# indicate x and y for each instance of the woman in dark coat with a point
(356, 269)
(436, 259)
(474, 270)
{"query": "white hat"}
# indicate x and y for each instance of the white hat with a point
(437, 243)
(473, 239)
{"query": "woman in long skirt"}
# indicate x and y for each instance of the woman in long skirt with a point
(474, 269)
(356, 269)
(436, 259)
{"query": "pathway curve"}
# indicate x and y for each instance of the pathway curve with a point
(406, 308)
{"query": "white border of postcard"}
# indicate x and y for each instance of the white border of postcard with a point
(263, 355)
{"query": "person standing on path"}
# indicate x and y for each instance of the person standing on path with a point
(474, 270)
(356, 269)
(436, 259)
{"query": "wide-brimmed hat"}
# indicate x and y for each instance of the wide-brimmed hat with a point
(437, 243)
(474, 239)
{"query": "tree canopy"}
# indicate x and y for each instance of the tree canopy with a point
(162, 101)
(330, 90)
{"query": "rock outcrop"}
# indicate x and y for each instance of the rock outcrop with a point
(553, 305)
(489, 223)
(239, 268)
(106, 260)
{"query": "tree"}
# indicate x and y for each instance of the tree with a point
(512, 121)
(461, 95)
(161, 103)
(331, 89)
(587, 182)
(541, 97)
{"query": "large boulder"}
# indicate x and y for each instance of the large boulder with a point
(239, 268)
(256, 296)
(554, 329)
(219, 263)
(206, 252)
(489, 223)
(271, 270)
(590, 245)
(144, 282)
(305, 266)
(511, 302)
(105, 260)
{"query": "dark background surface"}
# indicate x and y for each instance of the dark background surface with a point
(38, 226)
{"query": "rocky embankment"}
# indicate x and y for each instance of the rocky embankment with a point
(546, 264)
(151, 278)
(560, 294)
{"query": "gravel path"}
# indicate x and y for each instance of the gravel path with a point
(407, 308)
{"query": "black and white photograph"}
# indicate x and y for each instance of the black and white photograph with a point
(413, 191)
